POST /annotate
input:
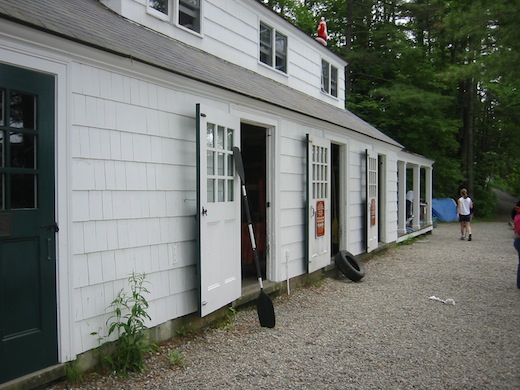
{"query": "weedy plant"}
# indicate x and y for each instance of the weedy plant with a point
(183, 331)
(73, 373)
(226, 322)
(127, 322)
(176, 358)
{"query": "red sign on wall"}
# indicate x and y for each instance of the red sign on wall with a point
(372, 212)
(320, 218)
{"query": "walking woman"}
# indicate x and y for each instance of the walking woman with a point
(517, 240)
(464, 211)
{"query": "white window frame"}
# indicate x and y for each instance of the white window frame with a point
(329, 84)
(174, 8)
(272, 48)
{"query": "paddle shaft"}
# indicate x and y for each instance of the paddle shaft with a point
(239, 165)
(264, 305)
(252, 236)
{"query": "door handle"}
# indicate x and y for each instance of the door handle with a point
(52, 226)
(204, 211)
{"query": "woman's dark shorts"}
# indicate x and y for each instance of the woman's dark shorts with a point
(465, 218)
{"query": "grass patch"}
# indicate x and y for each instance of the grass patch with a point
(408, 241)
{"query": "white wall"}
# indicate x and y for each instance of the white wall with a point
(126, 181)
(391, 226)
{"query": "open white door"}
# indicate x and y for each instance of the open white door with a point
(371, 205)
(218, 201)
(318, 203)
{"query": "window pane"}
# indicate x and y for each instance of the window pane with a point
(210, 137)
(334, 81)
(230, 134)
(159, 5)
(221, 190)
(231, 193)
(266, 53)
(2, 162)
(281, 52)
(220, 164)
(220, 137)
(2, 100)
(23, 191)
(210, 162)
(189, 14)
(325, 76)
(230, 166)
(211, 190)
(23, 111)
(2, 191)
(23, 150)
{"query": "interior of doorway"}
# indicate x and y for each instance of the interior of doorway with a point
(253, 144)
(335, 200)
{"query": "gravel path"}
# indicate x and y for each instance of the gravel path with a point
(381, 333)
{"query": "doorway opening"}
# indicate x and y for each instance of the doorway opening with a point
(253, 145)
(335, 200)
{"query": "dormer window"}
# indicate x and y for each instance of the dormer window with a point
(159, 5)
(273, 48)
(188, 12)
(329, 78)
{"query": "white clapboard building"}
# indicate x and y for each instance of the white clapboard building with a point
(117, 123)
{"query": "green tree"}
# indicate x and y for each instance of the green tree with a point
(439, 77)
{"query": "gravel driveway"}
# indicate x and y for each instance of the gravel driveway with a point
(381, 333)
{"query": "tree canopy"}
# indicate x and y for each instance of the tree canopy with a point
(438, 76)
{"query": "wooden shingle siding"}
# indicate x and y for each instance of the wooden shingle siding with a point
(133, 167)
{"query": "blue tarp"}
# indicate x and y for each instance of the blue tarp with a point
(444, 210)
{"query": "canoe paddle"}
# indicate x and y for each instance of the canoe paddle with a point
(264, 305)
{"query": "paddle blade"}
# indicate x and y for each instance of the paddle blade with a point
(265, 309)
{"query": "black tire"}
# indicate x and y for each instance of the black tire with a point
(349, 266)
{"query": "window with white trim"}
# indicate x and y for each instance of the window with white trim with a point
(329, 78)
(273, 48)
(187, 12)
(159, 5)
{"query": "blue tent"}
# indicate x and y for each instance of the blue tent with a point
(444, 210)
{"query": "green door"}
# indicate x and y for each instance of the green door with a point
(28, 333)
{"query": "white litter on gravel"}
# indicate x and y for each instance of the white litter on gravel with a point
(448, 301)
